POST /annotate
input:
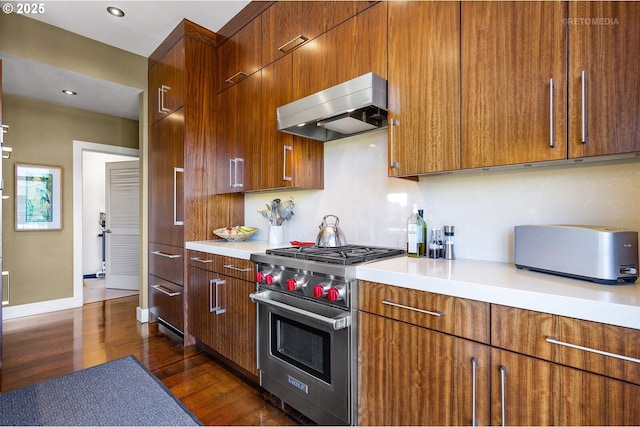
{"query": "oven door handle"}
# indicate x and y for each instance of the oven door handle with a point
(341, 321)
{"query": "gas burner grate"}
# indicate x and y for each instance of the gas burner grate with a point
(343, 255)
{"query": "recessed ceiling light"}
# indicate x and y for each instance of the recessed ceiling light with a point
(115, 11)
(69, 92)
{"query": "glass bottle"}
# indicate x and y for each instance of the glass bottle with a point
(435, 246)
(422, 230)
(412, 233)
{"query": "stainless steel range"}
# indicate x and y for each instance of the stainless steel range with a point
(307, 332)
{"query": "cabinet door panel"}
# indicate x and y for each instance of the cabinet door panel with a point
(608, 54)
(166, 301)
(202, 321)
(351, 49)
(510, 53)
(166, 83)
(424, 87)
(410, 375)
(166, 153)
(239, 57)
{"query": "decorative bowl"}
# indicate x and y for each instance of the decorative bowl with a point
(236, 233)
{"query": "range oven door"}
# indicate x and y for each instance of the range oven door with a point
(304, 355)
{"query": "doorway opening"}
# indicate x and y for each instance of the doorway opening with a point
(89, 163)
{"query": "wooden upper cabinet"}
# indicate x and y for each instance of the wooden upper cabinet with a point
(353, 48)
(513, 82)
(239, 56)
(424, 87)
(288, 24)
(237, 151)
(604, 78)
(166, 83)
(286, 161)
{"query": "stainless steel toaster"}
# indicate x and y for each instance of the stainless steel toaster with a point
(599, 254)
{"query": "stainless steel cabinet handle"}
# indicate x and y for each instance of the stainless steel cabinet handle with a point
(583, 102)
(216, 309)
(239, 73)
(165, 255)
(219, 310)
(392, 162)
(286, 177)
(406, 307)
(203, 261)
(552, 136)
(239, 183)
(6, 152)
(232, 267)
(474, 372)
(176, 171)
(165, 291)
(231, 164)
(503, 380)
(553, 340)
(161, 91)
(6, 302)
(298, 37)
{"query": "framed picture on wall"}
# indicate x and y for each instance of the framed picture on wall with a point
(38, 197)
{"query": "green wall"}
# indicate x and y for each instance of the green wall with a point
(41, 262)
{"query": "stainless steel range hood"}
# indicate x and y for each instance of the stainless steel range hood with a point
(355, 106)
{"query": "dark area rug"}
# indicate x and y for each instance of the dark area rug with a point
(122, 392)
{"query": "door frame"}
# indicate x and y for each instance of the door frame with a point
(78, 148)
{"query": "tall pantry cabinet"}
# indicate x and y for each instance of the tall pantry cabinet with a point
(181, 205)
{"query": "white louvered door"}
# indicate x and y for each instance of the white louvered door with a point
(122, 244)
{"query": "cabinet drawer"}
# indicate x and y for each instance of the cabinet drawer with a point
(166, 301)
(204, 260)
(166, 262)
(609, 350)
(456, 316)
(236, 267)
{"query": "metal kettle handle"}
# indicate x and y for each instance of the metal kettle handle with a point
(324, 221)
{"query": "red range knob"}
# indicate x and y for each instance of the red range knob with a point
(333, 294)
(259, 276)
(318, 291)
(292, 284)
(268, 279)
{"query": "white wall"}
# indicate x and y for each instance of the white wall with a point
(93, 202)
(483, 206)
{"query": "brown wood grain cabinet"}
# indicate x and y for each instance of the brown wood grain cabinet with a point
(604, 78)
(418, 368)
(166, 83)
(424, 87)
(514, 80)
(221, 315)
(286, 161)
(238, 140)
(239, 56)
(351, 49)
(178, 194)
(409, 372)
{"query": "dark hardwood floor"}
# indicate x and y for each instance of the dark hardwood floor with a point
(41, 347)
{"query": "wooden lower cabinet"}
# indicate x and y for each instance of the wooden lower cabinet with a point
(537, 392)
(409, 375)
(221, 316)
(412, 372)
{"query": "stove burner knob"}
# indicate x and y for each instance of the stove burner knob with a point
(268, 279)
(292, 285)
(334, 294)
(259, 276)
(318, 291)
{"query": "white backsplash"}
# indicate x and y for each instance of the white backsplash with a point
(483, 206)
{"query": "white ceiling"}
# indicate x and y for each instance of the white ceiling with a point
(142, 29)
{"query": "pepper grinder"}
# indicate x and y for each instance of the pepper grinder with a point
(448, 244)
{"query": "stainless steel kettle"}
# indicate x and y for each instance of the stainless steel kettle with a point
(330, 235)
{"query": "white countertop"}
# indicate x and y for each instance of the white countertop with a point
(493, 282)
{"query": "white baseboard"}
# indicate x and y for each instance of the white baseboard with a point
(142, 315)
(42, 307)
